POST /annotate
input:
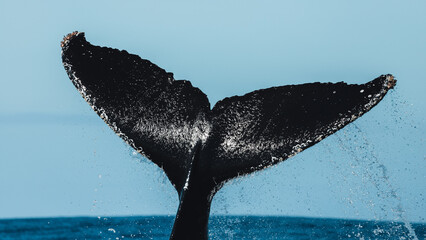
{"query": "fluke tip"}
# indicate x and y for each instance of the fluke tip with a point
(68, 37)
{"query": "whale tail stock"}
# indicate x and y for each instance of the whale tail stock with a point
(171, 123)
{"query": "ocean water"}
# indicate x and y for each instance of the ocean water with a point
(220, 227)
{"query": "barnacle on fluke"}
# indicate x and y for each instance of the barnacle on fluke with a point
(199, 148)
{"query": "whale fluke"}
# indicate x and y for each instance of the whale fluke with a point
(171, 123)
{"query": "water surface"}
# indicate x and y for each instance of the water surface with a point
(220, 227)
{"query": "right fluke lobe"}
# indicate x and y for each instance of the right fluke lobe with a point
(267, 126)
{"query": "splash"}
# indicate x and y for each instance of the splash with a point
(371, 171)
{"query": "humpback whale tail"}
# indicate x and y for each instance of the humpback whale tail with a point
(171, 123)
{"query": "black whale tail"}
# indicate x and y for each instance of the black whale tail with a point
(171, 123)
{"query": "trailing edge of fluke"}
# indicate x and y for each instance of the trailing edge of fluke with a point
(200, 148)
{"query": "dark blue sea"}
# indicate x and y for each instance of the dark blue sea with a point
(220, 227)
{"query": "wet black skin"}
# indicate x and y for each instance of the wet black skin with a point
(200, 148)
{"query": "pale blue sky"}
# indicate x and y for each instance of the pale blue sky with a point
(57, 158)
